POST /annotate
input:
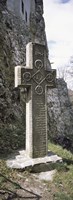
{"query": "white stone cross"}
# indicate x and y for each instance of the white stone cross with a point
(35, 78)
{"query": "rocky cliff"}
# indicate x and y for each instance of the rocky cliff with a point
(60, 115)
(14, 35)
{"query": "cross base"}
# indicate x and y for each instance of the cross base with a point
(22, 161)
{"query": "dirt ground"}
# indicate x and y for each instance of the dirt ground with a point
(25, 188)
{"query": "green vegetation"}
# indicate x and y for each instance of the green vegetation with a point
(61, 188)
(63, 180)
(12, 138)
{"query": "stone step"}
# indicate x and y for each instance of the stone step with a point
(22, 161)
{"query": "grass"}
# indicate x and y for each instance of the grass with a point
(63, 180)
(61, 188)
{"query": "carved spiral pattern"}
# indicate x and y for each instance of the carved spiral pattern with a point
(49, 78)
(27, 76)
(38, 64)
(39, 89)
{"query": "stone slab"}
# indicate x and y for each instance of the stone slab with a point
(22, 161)
(46, 176)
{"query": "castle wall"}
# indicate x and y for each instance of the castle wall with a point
(10, 5)
(32, 5)
(17, 7)
(27, 7)
(22, 8)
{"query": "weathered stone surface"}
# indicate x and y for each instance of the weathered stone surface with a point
(3, 2)
(22, 161)
(21, 8)
(60, 115)
(46, 176)
(35, 77)
(14, 35)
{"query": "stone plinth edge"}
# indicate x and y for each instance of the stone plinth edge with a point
(37, 164)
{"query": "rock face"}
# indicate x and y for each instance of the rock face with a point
(70, 92)
(60, 115)
(12, 53)
(14, 35)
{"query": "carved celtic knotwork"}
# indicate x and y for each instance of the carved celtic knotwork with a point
(37, 77)
(39, 89)
(27, 76)
(38, 64)
(49, 77)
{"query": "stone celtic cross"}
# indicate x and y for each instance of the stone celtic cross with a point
(35, 78)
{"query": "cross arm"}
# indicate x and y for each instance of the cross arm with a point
(22, 76)
(26, 77)
(50, 78)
